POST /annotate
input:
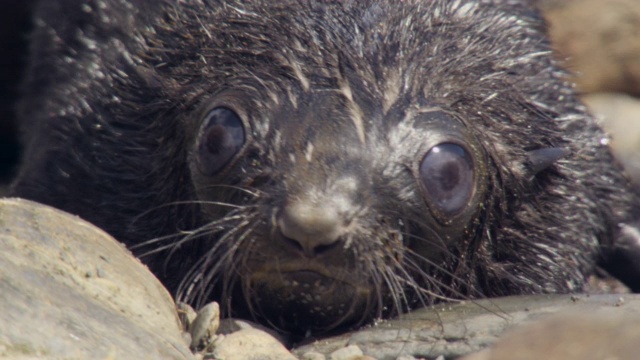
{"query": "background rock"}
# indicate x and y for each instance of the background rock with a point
(600, 39)
(599, 42)
(620, 115)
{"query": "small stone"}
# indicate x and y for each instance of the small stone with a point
(186, 337)
(205, 325)
(408, 357)
(312, 356)
(231, 325)
(250, 344)
(186, 314)
(351, 352)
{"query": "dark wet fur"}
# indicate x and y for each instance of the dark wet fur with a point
(113, 99)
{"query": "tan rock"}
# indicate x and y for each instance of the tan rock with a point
(598, 336)
(620, 116)
(68, 290)
(601, 40)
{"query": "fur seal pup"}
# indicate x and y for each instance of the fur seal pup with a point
(314, 165)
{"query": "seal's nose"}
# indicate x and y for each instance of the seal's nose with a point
(312, 226)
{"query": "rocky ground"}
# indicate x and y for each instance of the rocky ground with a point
(69, 291)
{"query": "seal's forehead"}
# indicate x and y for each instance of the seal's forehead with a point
(360, 61)
(374, 39)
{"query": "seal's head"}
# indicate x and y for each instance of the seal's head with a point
(341, 159)
(323, 221)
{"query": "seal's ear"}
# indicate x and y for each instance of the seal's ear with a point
(622, 260)
(540, 159)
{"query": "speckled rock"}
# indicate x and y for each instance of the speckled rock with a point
(451, 331)
(68, 290)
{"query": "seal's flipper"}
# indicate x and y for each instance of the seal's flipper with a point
(623, 261)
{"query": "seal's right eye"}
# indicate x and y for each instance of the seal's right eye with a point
(221, 137)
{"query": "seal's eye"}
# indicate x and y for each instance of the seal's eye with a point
(447, 174)
(221, 137)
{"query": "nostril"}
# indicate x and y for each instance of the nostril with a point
(314, 229)
(321, 249)
(293, 243)
(314, 251)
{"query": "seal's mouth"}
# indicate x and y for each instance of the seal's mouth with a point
(307, 300)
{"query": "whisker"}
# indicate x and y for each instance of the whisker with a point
(230, 257)
(189, 202)
(206, 273)
(439, 244)
(185, 235)
(253, 192)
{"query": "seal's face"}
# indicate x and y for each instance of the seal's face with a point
(334, 211)
(358, 160)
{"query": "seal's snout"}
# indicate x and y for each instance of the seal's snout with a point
(316, 219)
(312, 228)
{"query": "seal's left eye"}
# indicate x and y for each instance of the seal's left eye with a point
(221, 137)
(447, 173)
